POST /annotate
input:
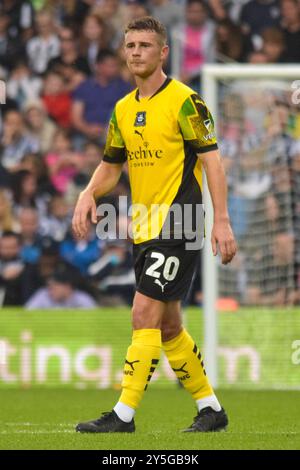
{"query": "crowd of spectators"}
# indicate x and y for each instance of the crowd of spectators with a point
(64, 69)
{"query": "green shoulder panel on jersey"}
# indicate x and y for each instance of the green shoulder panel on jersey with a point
(114, 151)
(197, 125)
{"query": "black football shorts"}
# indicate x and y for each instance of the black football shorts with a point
(164, 271)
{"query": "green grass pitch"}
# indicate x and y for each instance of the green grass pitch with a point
(45, 419)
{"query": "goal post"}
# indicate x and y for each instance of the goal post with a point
(212, 75)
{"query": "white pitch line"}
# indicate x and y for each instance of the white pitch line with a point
(39, 424)
(25, 431)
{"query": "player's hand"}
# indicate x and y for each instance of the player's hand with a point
(85, 205)
(222, 239)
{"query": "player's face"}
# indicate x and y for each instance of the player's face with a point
(144, 52)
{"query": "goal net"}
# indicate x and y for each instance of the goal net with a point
(257, 115)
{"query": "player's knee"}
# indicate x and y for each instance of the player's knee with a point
(143, 316)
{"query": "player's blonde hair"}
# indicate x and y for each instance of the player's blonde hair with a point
(148, 23)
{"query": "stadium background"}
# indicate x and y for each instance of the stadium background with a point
(61, 59)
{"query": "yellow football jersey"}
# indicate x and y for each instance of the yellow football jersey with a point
(160, 137)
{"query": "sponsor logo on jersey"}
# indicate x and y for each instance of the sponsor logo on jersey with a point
(144, 154)
(140, 133)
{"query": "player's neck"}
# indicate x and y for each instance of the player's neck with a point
(148, 86)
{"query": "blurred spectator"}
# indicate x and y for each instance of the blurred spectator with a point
(23, 85)
(272, 283)
(39, 125)
(233, 8)
(113, 271)
(230, 42)
(49, 261)
(273, 45)
(275, 217)
(21, 17)
(290, 22)
(45, 45)
(11, 269)
(9, 105)
(115, 15)
(7, 222)
(218, 9)
(91, 157)
(30, 240)
(63, 164)
(81, 253)
(35, 165)
(69, 11)
(94, 99)
(255, 181)
(257, 57)
(170, 13)
(65, 11)
(93, 39)
(257, 15)
(195, 42)
(57, 99)
(26, 193)
(60, 293)
(15, 141)
(10, 48)
(70, 64)
(55, 224)
(50, 258)
(136, 9)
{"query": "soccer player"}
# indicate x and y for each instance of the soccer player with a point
(165, 133)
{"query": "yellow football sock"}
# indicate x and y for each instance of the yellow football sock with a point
(141, 359)
(186, 361)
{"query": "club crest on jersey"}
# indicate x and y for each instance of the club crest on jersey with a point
(140, 119)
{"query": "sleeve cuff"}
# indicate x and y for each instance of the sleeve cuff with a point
(116, 159)
(207, 148)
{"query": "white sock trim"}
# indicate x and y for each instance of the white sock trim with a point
(211, 401)
(125, 412)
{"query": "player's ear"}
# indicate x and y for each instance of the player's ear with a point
(164, 52)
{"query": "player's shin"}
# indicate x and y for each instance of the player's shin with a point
(141, 360)
(187, 363)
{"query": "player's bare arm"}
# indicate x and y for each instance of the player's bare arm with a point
(104, 179)
(222, 235)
